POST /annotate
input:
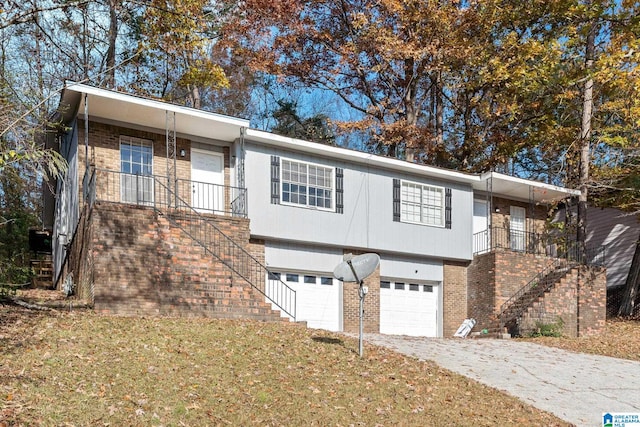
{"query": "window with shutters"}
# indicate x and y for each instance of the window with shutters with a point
(306, 184)
(422, 204)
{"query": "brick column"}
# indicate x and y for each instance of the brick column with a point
(592, 300)
(351, 304)
(454, 296)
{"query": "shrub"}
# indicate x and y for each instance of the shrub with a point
(548, 329)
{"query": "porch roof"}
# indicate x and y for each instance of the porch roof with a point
(126, 108)
(511, 187)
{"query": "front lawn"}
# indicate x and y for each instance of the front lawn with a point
(78, 368)
(621, 338)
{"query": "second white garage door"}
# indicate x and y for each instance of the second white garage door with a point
(409, 309)
(318, 299)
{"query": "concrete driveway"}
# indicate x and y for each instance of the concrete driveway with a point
(576, 387)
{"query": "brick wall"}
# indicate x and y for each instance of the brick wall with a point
(536, 214)
(592, 314)
(578, 300)
(481, 291)
(104, 148)
(559, 304)
(351, 304)
(145, 266)
(513, 270)
(104, 153)
(495, 277)
(454, 296)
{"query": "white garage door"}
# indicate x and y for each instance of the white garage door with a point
(409, 309)
(318, 299)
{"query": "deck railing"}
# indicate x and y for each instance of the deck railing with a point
(575, 254)
(551, 244)
(153, 191)
(119, 187)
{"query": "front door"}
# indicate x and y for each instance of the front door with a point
(481, 237)
(207, 181)
(517, 228)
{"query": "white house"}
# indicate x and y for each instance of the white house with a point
(275, 213)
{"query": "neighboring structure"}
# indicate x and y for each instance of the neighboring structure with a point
(167, 210)
(619, 232)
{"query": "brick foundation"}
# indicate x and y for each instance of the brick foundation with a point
(579, 299)
(142, 265)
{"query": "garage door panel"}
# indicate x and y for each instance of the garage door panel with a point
(409, 310)
(318, 300)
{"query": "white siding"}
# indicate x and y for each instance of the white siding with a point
(367, 221)
(301, 258)
(67, 210)
(398, 267)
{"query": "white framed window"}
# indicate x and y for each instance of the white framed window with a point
(306, 184)
(136, 167)
(422, 204)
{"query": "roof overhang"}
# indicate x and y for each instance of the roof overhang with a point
(113, 106)
(514, 188)
(358, 157)
(134, 110)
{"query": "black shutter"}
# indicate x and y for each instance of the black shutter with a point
(275, 180)
(447, 208)
(396, 200)
(339, 190)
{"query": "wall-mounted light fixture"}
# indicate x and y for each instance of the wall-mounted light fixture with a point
(183, 152)
(497, 210)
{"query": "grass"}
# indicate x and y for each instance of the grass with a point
(621, 339)
(81, 369)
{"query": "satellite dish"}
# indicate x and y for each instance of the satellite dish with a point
(364, 265)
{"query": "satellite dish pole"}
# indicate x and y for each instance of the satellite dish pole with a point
(362, 291)
(356, 269)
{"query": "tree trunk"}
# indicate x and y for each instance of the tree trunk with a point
(632, 285)
(411, 110)
(110, 79)
(585, 136)
(195, 97)
(439, 111)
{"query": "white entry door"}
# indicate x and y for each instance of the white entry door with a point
(517, 228)
(409, 309)
(207, 181)
(481, 235)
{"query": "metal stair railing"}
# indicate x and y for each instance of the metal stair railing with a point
(515, 306)
(518, 303)
(224, 248)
